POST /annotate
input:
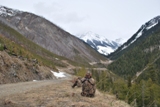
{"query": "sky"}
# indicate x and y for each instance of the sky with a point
(112, 19)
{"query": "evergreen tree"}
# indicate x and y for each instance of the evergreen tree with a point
(129, 82)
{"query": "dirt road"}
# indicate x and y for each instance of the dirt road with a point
(9, 89)
(52, 93)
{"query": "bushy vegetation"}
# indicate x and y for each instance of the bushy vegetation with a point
(143, 93)
(135, 60)
(143, 58)
(1, 47)
(138, 94)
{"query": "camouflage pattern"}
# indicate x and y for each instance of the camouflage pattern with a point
(77, 82)
(88, 87)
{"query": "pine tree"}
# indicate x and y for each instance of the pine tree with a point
(129, 82)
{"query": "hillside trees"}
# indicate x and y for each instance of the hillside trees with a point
(138, 57)
(141, 93)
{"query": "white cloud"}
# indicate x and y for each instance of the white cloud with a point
(66, 18)
(46, 8)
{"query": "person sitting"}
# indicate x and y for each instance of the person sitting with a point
(88, 85)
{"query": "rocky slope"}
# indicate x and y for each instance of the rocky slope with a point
(19, 69)
(23, 60)
(48, 35)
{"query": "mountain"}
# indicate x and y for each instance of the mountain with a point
(49, 36)
(31, 46)
(144, 31)
(22, 60)
(100, 43)
(141, 50)
(137, 61)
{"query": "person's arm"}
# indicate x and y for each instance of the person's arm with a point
(74, 84)
(83, 80)
(91, 81)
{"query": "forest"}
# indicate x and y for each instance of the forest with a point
(142, 93)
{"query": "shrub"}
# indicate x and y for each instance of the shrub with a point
(1, 47)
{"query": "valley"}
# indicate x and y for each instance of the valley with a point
(33, 51)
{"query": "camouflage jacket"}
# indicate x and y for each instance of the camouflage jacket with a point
(88, 87)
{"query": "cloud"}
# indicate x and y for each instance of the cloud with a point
(56, 13)
(109, 18)
(45, 8)
(67, 18)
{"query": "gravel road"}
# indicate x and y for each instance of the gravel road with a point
(9, 89)
(52, 93)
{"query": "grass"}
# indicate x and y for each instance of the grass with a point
(60, 95)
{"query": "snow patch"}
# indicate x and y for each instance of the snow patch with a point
(100, 43)
(58, 74)
(152, 25)
(138, 35)
(92, 36)
(4, 11)
(105, 50)
(124, 47)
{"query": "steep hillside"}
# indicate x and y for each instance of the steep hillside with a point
(145, 30)
(140, 51)
(137, 61)
(139, 58)
(20, 69)
(49, 36)
(20, 45)
(23, 60)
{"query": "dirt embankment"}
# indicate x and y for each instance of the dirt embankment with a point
(20, 69)
(53, 93)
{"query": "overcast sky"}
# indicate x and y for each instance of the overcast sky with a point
(110, 18)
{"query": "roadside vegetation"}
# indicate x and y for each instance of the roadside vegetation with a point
(140, 69)
(137, 94)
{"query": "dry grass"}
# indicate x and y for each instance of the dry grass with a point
(60, 95)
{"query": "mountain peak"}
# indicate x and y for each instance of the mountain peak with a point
(144, 28)
(152, 22)
(89, 35)
(92, 36)
(48, 35)
(99, 43)
(5, 11)
(147, 29)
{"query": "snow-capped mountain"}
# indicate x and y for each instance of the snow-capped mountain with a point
(4, 11)
(47, 35)
(143, 32)
(100, 43)
(145, 27)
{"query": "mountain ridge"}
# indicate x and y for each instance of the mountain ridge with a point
(137, 61)
(141, 45)
(50, 36)
(100, 43)
(144, 31)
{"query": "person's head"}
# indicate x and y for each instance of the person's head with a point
(88, 75)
